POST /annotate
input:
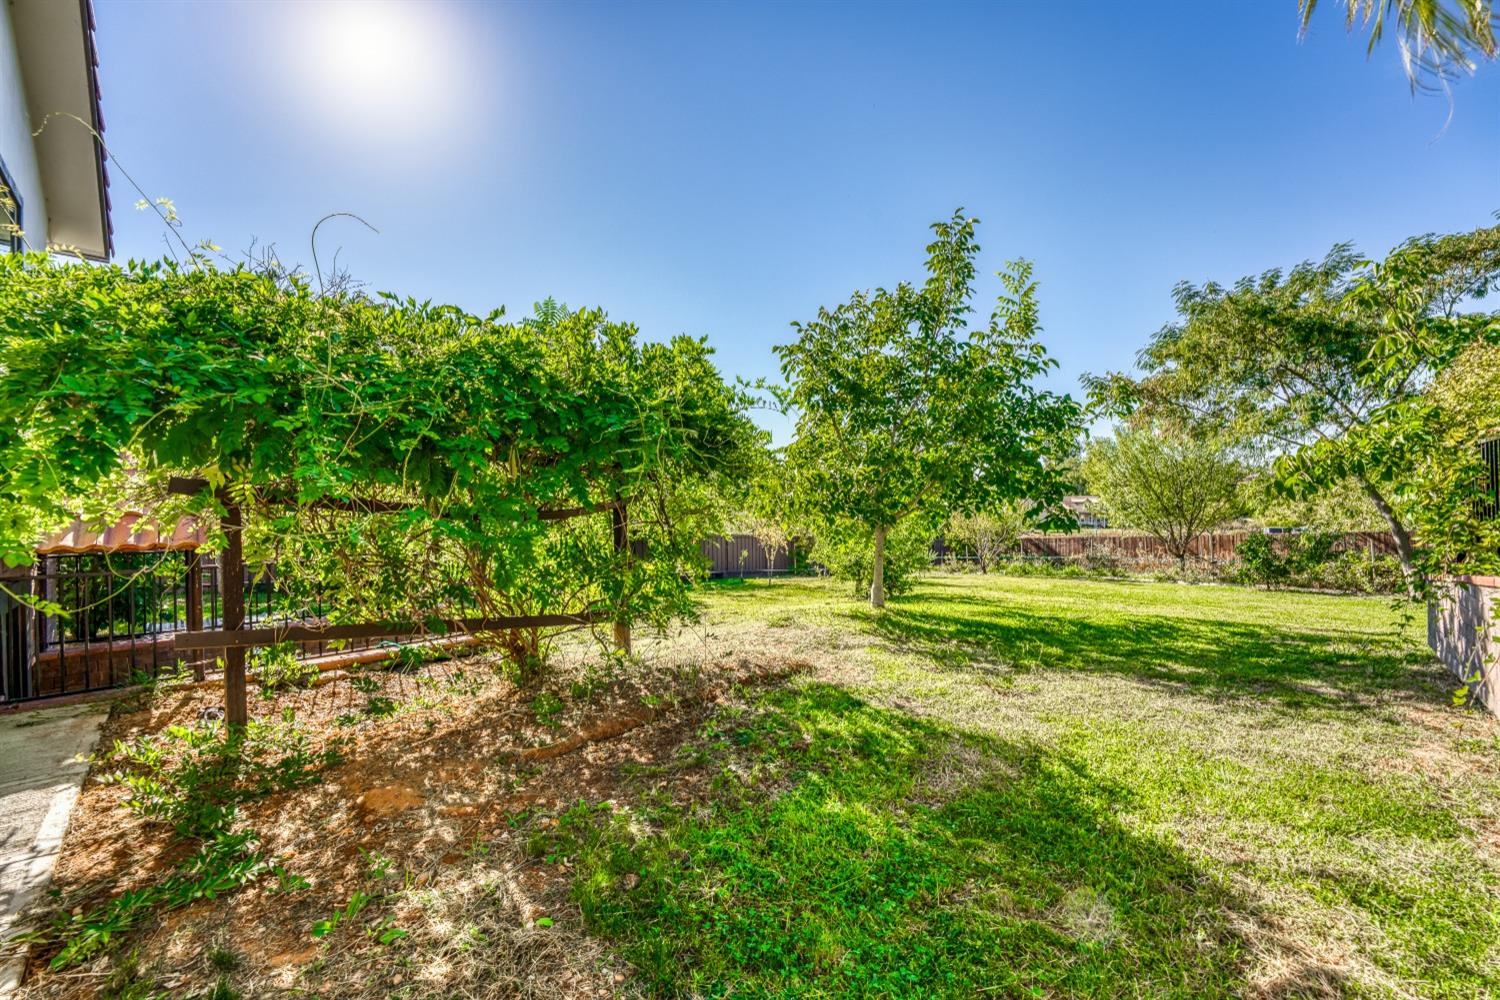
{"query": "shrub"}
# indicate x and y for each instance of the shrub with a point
(1310, 551)
(987, 535)
(848, 551)
(1260, 563)
(1101, 557)
(1313, 560)
(1354, 572)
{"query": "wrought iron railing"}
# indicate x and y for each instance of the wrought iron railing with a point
(1489, 454)
(78, 623)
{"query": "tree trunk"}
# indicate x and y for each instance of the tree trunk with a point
(877, 573)
(1405, 550)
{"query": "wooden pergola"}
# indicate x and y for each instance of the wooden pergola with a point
(234, 638)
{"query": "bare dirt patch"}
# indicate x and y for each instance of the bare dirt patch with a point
(444, 780)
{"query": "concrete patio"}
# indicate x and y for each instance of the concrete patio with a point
(40, 775)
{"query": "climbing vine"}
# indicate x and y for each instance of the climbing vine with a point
(394, 457)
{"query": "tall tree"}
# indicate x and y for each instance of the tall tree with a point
(1438, 39)
(1324, 366)
(904, 409)
(1172, 486)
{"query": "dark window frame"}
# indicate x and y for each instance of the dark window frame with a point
(15, 243)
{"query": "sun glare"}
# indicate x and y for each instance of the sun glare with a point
(381, 66)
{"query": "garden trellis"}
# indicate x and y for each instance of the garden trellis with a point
(233, 638)
(411, 467)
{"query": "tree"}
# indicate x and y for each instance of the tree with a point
(772, 534)
(904, 410)
(1172, 486)
(988, 533)
(763, 510)
(1324, 367)
(1438, 39)
(1459, 409)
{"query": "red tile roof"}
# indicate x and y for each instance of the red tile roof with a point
(131, 533)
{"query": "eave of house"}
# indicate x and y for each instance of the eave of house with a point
(59, 71)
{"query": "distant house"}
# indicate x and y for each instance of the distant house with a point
(51, 165)
(1087, 510)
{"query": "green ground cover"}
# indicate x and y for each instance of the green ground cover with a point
(1042, 787)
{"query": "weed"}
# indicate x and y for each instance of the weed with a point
(222, 990)
(378, 868)
(222, 959)
(224, 863)
(289, 882)
(127, 981)
(548, 709)
(277, 668)
(193, 780)
(379, 706)
(357, 902)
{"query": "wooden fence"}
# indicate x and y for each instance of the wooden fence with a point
(1138, 550)
(744, 555)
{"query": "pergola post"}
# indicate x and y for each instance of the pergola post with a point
(622, 551)
(194, 584)
(232, 586)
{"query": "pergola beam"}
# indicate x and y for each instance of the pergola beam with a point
(190, 486)
(245, 638)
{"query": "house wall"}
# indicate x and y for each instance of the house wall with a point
(1464, 631)
(16, 146)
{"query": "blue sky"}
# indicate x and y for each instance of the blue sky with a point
(722, 170)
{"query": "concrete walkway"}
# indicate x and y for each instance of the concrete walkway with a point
(40, 775)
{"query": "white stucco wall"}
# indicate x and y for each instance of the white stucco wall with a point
(16, 147)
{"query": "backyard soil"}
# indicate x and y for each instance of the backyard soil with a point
(445, 792)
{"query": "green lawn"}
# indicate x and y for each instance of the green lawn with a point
(1039, 787)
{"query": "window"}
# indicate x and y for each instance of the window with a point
(11, 238)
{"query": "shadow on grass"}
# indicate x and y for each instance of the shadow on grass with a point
(1297, 665)
(849, 850)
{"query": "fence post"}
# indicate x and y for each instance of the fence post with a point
(31, 681)
(622, 552)
(232, 586)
